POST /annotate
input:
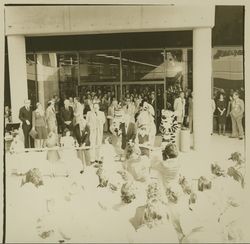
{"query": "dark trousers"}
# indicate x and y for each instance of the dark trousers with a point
(28, 140)
(77, 134)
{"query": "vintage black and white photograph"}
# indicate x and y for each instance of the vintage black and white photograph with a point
(125, 123)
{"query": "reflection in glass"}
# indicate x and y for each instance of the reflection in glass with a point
(143, 65)
(175, 69)
(99, 67)
(31, 79)
(68, 74)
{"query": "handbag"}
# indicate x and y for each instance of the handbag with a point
(33, 133)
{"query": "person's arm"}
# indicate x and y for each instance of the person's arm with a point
(110, 116)
(76, 111)
(33, 119)
(242, 108)
(103, 119)
(228, 108)
(21, 116)
(175, 104)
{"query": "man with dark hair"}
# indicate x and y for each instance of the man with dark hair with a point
(78, 117)
(236, 116)
(67, 115)
(170, 151)
(170, 166)
(25, 115)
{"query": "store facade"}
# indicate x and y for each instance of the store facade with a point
(114, 72)
(115, 69)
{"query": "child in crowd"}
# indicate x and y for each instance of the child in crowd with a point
(67, 140)
(52, 141)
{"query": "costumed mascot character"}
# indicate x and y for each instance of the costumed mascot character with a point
(143, 134)
(168, 127)
(146, 116)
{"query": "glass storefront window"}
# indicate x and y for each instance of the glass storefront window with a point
(175, 68)
(143, 65)
(99, 74)
(99, 67)
(31, 79)
(68, 74)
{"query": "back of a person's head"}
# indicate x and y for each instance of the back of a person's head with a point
(170, 151)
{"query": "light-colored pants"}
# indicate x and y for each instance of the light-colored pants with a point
(95, 144)
(237, 128)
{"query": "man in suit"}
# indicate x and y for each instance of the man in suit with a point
(128, 130)
(67, 115)
(129, 108)
(236, 116)
(78, 117)
(25, 115)
(84, 154)
(95, 119)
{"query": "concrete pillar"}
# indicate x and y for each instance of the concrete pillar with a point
(18, 74)
(202, 72)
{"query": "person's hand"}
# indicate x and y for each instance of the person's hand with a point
(33, 128)
(27, 122)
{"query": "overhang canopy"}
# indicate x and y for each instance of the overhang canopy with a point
(70, 20)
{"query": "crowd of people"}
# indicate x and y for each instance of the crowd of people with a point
(230, 106)
(227, 111)
(136, 116)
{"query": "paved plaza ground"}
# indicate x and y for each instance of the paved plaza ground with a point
(29, 209)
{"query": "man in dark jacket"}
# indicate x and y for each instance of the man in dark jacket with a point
(67, 115)
(25, 115)
(128, 130)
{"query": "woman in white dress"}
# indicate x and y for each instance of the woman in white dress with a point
(51, 117)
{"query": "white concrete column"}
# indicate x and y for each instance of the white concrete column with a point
(18, 74)
(202, 73)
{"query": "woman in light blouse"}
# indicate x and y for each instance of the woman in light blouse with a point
(39, 125)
